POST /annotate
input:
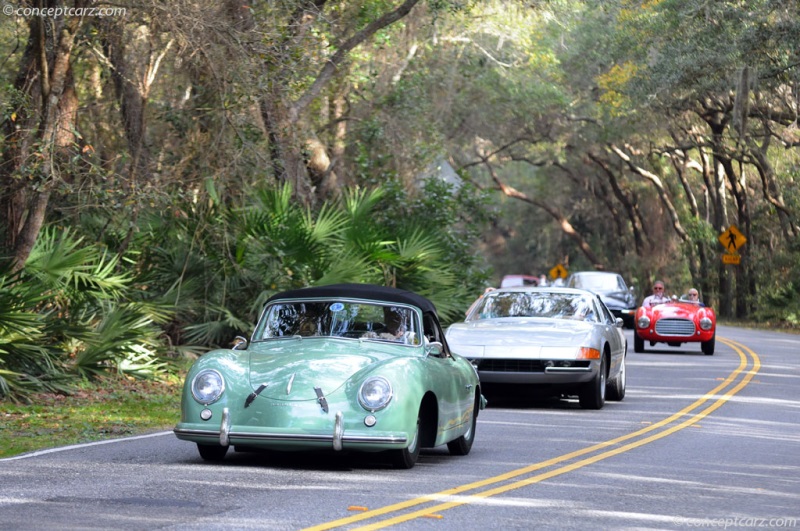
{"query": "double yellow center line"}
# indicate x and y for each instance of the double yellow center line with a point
(684, 418)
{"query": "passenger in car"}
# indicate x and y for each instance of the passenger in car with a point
(694, 296)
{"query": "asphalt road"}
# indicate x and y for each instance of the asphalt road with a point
(699, 441)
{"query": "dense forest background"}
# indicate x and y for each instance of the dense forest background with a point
(165, 167)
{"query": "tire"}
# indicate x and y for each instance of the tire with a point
(708, 346)
(406, 458)
(593, 394)
(463, 444)
(638, 343)
(616, 387)
(212, 452)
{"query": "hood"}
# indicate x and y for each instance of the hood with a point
(292, 368)
(518, 332)
(679, 310)
(618, 299)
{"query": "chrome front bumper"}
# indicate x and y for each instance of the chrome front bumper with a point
(337, 439)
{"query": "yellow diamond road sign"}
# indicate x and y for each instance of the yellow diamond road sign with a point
(732, 240)
(558, 271)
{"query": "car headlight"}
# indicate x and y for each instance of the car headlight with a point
(705, 323)
(643, 322)
(375, 393)
(208, 386)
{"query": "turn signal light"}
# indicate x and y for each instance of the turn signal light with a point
(586, 353)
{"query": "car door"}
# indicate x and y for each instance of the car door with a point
(614, 335)
(450, 378)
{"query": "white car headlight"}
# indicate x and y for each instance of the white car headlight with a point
(208, 386)
(375, 393)
(705, 323)
(643, 322)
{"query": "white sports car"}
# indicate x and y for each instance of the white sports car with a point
(562, 339)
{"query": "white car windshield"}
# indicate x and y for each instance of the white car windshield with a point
(598, 282)
(341, 319)
(532, 304)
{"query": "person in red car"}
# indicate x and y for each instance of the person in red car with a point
(658, 296)
(694, 297)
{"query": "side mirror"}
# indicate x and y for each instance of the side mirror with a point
(434, 348)
(239, 343)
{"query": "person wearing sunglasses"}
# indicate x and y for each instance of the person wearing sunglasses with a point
(658, 296)
(694, 296)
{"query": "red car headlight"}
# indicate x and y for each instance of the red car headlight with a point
(643, 322)
(706, 323)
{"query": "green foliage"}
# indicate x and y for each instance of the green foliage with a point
(779, 294)
(69, 312)
(375, 236)
(26, 363)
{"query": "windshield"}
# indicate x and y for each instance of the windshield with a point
(342, 319)
(598, 282)
(527, 304)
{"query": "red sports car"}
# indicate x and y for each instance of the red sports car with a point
(674, 323)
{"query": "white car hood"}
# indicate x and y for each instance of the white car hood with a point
(519, 338)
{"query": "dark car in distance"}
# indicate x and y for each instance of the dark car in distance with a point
(617, 296)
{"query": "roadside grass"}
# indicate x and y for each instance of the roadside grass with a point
(106, 408)
(781, 326)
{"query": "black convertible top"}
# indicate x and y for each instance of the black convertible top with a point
(360, 291)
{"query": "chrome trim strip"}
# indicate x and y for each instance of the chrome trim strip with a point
(197, 433)
(316, 438)
(225, 427)
(567, 369)
(338, 431)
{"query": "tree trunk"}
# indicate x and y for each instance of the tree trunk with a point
(627, 203)
(45, 76)
(282, 115)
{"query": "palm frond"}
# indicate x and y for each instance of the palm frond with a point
(61, 262)
(121, 334)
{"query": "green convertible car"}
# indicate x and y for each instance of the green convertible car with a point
(350, 367)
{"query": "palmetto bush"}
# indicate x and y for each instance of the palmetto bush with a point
(26, 363)
(70, 313)
(218, 265)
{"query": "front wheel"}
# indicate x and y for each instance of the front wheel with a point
(616, 387)
(593, 394)
(407, 457)
(638, 343)
(212, 452)
(708, 346)
(463, 444)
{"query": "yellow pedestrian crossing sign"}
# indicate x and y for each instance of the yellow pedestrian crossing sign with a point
(558, 271)
(732, 240)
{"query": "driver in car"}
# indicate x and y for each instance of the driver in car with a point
(658, 296)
